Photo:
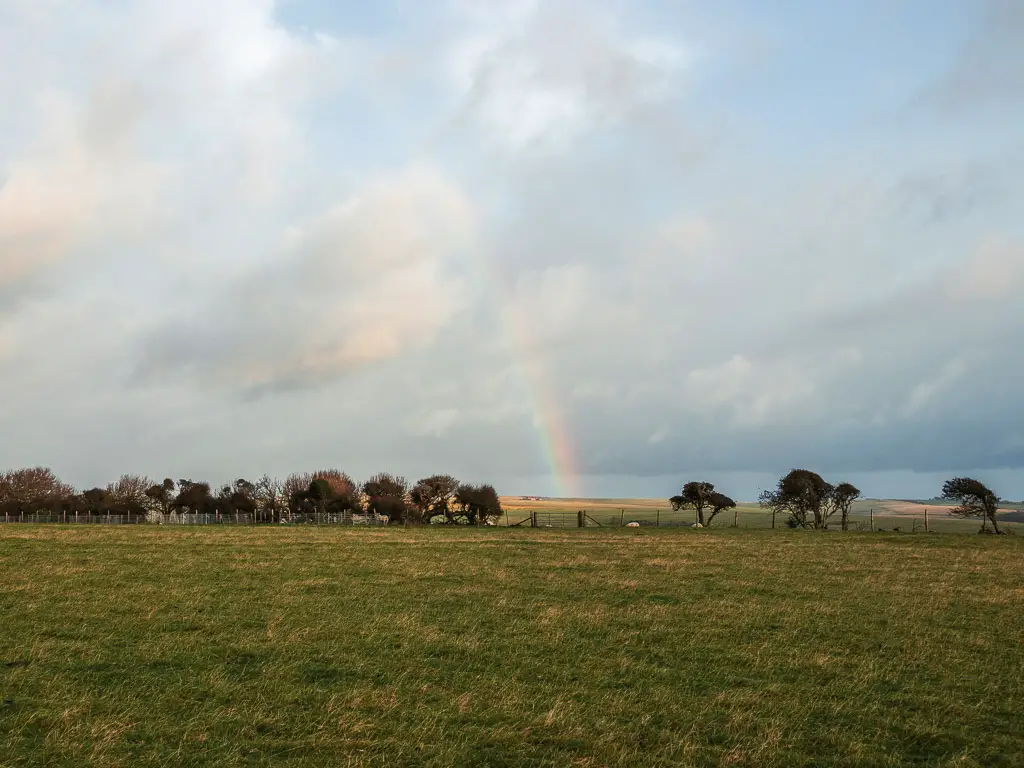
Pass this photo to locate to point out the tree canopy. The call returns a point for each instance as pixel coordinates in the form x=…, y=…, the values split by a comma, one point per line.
x=803, y=495
x=974, y=499
x=703, y=499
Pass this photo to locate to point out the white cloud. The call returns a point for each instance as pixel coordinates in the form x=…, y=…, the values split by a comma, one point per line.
x=134, y=117
x=925, y=392
x=370, y=278
x=434, y=423
x=531, y=84
x=435, y=227
x=993, y=272
x=658, y=436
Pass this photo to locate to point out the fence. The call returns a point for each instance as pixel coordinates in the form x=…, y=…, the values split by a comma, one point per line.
x=184, y=518
x=604, y=518
x=543, y=518
x=72, y=517
x=929, y=521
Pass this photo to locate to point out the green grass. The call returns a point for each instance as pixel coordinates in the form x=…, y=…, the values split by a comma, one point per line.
x=888, y=514
x=137, y=646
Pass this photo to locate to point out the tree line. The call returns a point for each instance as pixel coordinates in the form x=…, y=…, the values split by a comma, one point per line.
x=809, y=501
x=324, y=492
x=804, y=497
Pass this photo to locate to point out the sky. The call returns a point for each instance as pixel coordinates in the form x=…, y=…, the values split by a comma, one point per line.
x=568, y=247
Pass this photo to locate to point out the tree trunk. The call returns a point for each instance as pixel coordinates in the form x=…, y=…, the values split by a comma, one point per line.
x=995, y=526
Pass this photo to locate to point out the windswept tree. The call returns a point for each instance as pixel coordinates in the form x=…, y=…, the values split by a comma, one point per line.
x=719, y=502
x=387, y=496
x=804, y=496
x=477, y=503
x=841, y=499
x=696, y=496
x=974, y=499
x=433, y=497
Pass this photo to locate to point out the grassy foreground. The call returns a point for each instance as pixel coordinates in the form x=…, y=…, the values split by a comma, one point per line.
x=218, y=647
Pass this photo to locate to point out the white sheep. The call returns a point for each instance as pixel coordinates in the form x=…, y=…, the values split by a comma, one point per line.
x=632, y=524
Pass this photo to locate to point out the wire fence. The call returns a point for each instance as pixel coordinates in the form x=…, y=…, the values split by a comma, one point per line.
x=928, y=521
x=935, y=522
x=185, y=518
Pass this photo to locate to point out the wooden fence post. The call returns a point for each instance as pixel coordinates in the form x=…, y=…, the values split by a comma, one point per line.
x=657, y=519
x=871, y=517
x=926, y=519
x=735, y=518
x=533, y=518
x=622, y=514
x=580, y=522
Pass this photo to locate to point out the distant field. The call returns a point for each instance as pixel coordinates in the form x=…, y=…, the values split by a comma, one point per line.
x=888, y=514
x=147, y=646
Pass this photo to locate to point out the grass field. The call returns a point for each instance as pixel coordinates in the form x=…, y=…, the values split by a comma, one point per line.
x=135, y=646
x=886, y=514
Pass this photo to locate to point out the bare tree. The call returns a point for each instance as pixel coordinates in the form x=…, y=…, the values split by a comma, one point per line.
x=128, y=493
x=268, y=494
x=974, y=499
x=295, y=485
x=33, y=489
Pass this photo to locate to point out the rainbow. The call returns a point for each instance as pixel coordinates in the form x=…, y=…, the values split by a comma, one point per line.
x=556, y=439
x=548, y=417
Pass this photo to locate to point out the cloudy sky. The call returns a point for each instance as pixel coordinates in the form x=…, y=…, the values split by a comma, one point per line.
x=567, y=246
